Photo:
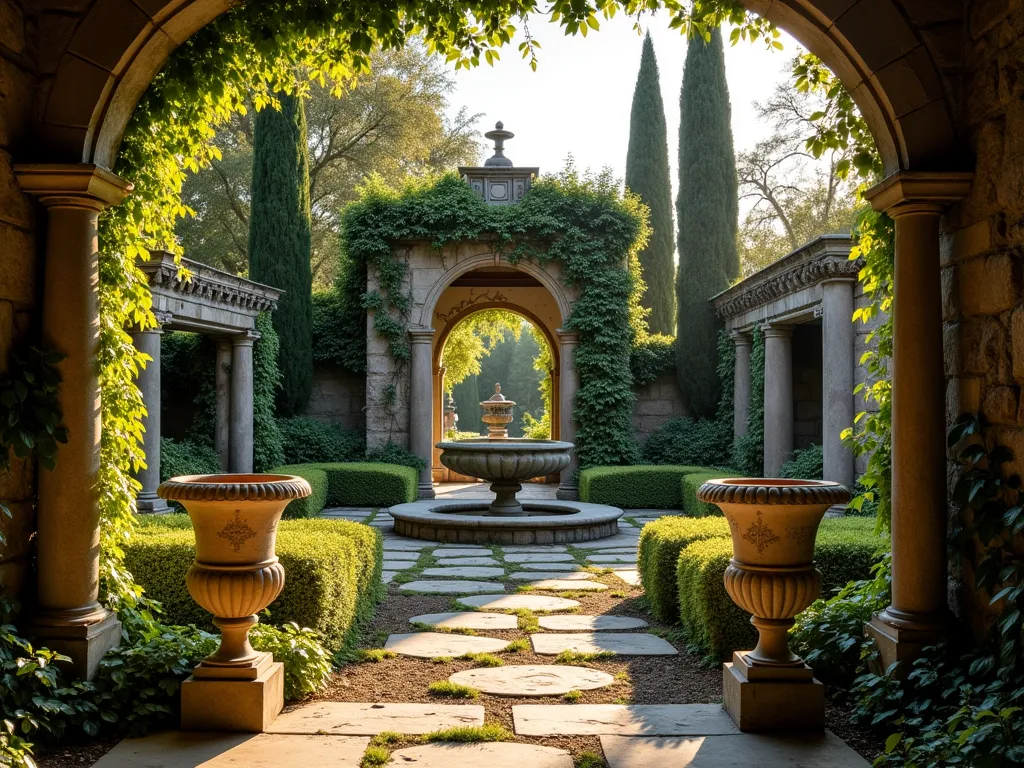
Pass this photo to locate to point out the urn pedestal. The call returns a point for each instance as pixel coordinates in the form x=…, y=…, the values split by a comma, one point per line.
x=236, y=574
x=773, y=524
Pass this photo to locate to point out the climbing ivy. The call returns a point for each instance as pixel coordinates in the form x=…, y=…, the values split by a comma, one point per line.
x=582, y=220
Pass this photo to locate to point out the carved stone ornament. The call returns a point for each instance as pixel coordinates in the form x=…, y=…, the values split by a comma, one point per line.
x=210, y=285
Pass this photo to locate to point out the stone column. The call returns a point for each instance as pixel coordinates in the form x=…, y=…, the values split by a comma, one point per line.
x=241, y=403
x=778, y=397
x=918, y=614
x=837, y=334
x=222, y=425
x=569, y=382
x=148, y=342
x=421, y=401
x=741, y=383
x=69, y=618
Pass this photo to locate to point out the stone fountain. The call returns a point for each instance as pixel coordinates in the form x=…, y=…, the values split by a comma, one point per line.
x=505, y=462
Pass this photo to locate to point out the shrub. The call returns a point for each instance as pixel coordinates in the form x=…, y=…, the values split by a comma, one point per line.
x=332, y=574
x=354, y=485
x=688, y=487
x=652, y=357
x=186, y=458
x=716, y=626
x=660, y=545
x=395, y=454
x=306, y=440
x=312, y=505
x=639, y=487
x=704, y=443
x=806, y=464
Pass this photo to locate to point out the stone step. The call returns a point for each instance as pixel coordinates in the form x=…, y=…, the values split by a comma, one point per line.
x=388, y=576
x=515, y=602
x=630, y=577
x=349, y=719
x=426, y=587
x=538, y=557
x=536, y=548
x=823, y=750
x=430, y=645
x=467, y=572
x=466, y=561
x=493, y=755
x=568, y=567
x=532, y=680
x=602, y=559
x=624, y=720
x=461, y=551
x=571, y=575
x=582, y=623
x=561, y=585
x=622, y=644
x=468, y=620
x=398, y=565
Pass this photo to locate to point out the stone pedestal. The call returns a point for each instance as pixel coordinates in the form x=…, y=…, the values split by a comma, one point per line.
x=837, y=339
x=741, y=383
x=148, y=342
x=789, y=699
x=778, y=397
x=226, y=704
x=69, y=618
x=241, y=403
x=421, y=404
x=569, y=383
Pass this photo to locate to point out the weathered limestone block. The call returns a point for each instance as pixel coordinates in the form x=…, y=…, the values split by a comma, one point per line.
x=984, y=348
x=1017, y=342
x=18, y=267
x=17, y=88
x=989, y=285
x=1000, y=405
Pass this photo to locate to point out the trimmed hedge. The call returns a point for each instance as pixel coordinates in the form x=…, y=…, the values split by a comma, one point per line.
x=660, y=545
x=716, y=626
x=307, y=440
x=691, y=505
x=636, y=487
x=351, y=485
x=332, y=574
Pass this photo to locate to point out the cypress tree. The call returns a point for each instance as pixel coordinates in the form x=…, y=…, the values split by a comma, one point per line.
x=647, y=174
x=706, y=212
x=279, y=241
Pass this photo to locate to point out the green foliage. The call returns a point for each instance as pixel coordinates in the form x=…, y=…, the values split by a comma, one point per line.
x=481, y=659
x=703, y=443
x=357, y=484
x=577, y=657
x=186, y=458
x=589, y=760
x=332, y=574
x=806, y=464
x=474, y=338
x=715, y=626
x=650, y=357
x=573, y=697
x=280, y=241
x=267, y=451
x=660, y=544
x=376, y=655
x=30, y=413
x=636, y=487
x=706, y=214
x=469, y=734
x=307, y=663
x=451, y=690
x=688, y=487
x=329, y=333
x=748, y=450
x=305, y=440
x=580, y=220
x=647, y=176
x=392, y=453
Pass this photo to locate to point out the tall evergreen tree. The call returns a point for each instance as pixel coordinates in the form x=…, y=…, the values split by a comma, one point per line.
x=706, y=211
x=279, y=241
x=647, y=174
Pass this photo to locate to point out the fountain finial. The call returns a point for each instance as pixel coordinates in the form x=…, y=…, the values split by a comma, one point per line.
x=499, y=135
x=497, y=414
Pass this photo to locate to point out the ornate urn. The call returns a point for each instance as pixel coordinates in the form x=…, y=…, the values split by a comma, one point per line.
x=236, y=574
x=497, y=414
x=774, y=524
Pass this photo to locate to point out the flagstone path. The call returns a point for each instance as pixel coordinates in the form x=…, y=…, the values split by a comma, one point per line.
x=562, y=654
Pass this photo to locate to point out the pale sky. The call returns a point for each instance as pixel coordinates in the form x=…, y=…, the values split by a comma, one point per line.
x=578, y=100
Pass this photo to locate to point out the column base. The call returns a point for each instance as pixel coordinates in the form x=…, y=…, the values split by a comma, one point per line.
x=233, y=704
x=568, y=492
x=901, y=637
x=85, y=638
x=151, y=504
x=426, y=491
x=767, y=699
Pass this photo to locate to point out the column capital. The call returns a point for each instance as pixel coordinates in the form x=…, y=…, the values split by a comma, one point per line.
x=72, y=185
x=850, y=280
x=245, y=339
x=741, y=338
x=909, y=192
x=567, y=337
x=421, y=334
x=776, y=330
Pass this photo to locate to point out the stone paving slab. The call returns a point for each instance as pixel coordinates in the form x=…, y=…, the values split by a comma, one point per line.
x=560, y=585
x=468, y=620
x=514, y=602
x=581, y=623
x=345, y=718
x=538, y=557
x=397, y=565
x=598, y=559
x=426, y=586
x=466, y=572
x=571, y=575
x=624, y=720
x=644, y=512
x=531, y=680
x=462, y=551
x=630, y=577
x=401, y=546
x=535, y=548
x=388, y=576
x=568, y=567
x=429, y=645
x=492, y=755
x=191, y=749
x=466, y=560
x=623, y=644
x=619, y=541
x=798, y=751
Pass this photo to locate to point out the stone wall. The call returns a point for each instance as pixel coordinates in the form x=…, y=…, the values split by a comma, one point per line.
x=807, y=386
x=656, y=403
x=983, y=252
x=19, y=274
x=339, y=397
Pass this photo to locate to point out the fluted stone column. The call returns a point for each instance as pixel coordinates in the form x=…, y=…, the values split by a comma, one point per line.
x=778, y=397
x=917, y=616
x=241, y=402
x=421, y=400
x=569, y=383
x=148, y=342
x=741, y=383
x=69, y=618
x=837, y=337
x=222, y=419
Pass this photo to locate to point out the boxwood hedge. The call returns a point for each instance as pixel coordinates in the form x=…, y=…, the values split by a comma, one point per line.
x=691, y=505
x=332, y=574
x=637, y=487
x=361, y=484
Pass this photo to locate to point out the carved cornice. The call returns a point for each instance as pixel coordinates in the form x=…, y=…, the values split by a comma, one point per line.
x=208, y=285
x=825, y=258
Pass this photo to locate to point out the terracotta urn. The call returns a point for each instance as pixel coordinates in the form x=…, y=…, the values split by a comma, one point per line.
x=236, y=573
x=773, y=523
